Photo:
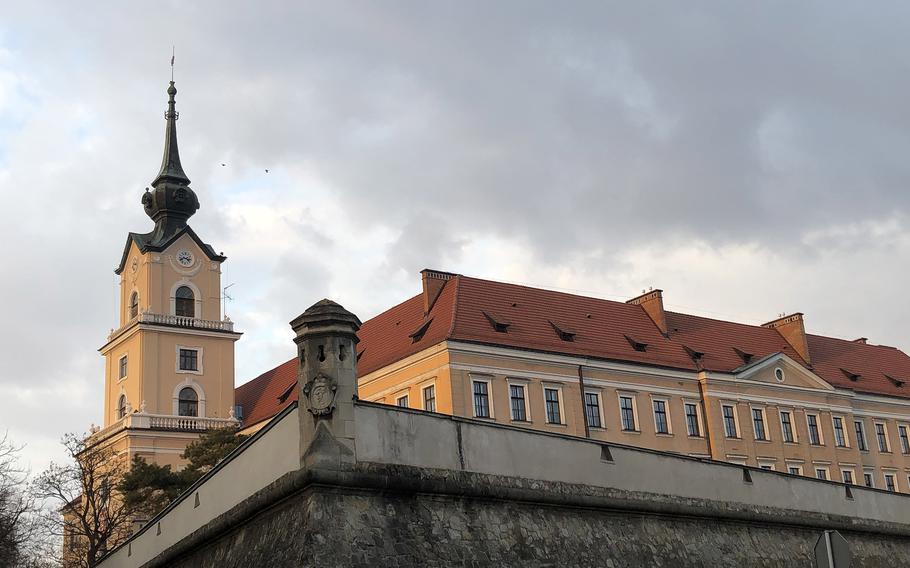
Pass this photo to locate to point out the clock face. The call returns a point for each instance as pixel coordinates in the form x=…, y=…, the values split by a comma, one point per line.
x=185, y=258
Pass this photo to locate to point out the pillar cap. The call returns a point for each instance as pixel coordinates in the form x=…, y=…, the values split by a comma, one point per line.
x=325, y=316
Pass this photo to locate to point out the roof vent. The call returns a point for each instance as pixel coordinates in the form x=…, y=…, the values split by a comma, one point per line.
x=851, y=375
x=695, y=355
x=636, y=345
x=746, y=357
x=359, y=355
x=863, y=340
x=563, y=333
x=287, y=393
x=418, y=333
x=896, y=382
x=499, y=324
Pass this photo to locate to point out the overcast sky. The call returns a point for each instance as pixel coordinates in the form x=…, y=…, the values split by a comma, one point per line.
x=747, y=158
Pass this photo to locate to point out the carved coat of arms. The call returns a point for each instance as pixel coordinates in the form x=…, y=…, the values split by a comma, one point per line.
x=320, y=395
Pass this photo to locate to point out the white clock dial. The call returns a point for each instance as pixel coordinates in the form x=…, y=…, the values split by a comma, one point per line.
x=185, y=258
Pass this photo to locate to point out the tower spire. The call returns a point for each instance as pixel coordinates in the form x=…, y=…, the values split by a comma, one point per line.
x=171, y=201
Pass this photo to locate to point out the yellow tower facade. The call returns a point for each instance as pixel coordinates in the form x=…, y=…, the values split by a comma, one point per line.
x=169, y=366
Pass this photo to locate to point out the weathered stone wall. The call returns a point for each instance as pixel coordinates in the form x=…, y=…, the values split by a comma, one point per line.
x=324, y=524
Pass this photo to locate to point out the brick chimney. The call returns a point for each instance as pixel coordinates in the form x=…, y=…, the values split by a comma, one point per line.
x=653, y=304
x=433, y=282
x=793, y=330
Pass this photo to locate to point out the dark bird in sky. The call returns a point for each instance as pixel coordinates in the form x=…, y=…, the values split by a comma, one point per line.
x=222, y=165
x=266, y=171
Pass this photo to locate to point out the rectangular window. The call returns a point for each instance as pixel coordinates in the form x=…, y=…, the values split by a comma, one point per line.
x=821, y=473
x=840, y=437
x=729, y=421
x=889, y=482
x=402, y=401
x=692, y=419
x=814, y=436
x=481, y=399
x=794, y=470
x=867, y=479
x=627, y=414
x=518, y=403
x=767, y=467
x=860, y=435
x=661, y=424
x=551, y=399
x=848, y=476
x=123, y=364
x=429, y=398
x=786, y=426
x=758, y=423
x=905, y=443
x=189, y=360
x=882, y=435
x=592, y=409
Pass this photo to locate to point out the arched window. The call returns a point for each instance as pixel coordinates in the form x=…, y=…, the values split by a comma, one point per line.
x=187, y=402
x=134, y=304
x=185, y=302
x=121, y=406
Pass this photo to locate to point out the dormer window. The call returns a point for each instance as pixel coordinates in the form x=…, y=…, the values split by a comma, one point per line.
x=188, y=402
x=185, y=302
x=134, y=305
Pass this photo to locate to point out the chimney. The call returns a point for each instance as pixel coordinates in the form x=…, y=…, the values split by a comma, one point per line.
x=433, y=282
x=793, y=330
x=326, y=338
x=863, y=340
x=653, y=304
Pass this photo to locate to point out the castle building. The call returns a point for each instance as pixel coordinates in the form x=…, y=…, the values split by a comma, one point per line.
x=770, y=396
x=169, y=366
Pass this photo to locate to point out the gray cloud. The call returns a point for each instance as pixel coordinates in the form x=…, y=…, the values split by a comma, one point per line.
x=604, y=146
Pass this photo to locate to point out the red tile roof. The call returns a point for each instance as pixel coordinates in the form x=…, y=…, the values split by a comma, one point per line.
x=465, y=306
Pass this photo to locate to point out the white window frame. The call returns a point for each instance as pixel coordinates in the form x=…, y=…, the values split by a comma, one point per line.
x=489, y=382
x=884, y=424
x=852, y=475
x=199, y=367
x=827, y=471
x=561, y=403
x=423, y=396
x=666, y=402
x=764, y=420
x=797, y=467
x=197, y=298
x=723, y=420
x=766, y=464
x=631, y=395
x=793, y=429
x=200, y=396
x=818, y=426
x=906, y=428
x=871, y=473
x=865, y=436
x=523, y=385
x=120, y=366
x=893, y=476
x=843, y=427
x=600, y=409
x=402, y=395
x=698, y=418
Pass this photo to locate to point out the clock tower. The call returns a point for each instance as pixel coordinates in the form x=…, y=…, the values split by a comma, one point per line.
x=169, y=366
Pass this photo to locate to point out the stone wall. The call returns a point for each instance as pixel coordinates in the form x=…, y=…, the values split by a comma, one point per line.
x=444, y=520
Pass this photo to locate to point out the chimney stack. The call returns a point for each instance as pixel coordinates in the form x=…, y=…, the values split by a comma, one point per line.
x=433, y=282
x=793, y=329
x=653, y=304
x=326, y=338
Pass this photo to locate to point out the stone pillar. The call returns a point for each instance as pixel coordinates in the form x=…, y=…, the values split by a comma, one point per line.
x=326, y=338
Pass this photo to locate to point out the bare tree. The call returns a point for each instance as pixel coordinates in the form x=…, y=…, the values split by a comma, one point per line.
x=83, y=503
x=16, y=506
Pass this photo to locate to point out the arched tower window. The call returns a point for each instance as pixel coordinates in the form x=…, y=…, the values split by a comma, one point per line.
x=188, y=402
x=121, y=406
x=134, y=304
x=185, y=302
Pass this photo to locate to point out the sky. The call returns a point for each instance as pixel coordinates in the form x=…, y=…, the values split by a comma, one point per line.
x=750, y=159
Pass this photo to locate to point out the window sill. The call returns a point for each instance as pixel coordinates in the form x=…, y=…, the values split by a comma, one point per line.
x=557, y=424
x=516, y=421
x=885, y=452
x=631, y=431
x=691, y=437
x=597, y=428
x=490, y=418
x=817, y=445
x=663, y=434
x=732, y=437
x=791, y=443
x=763, y=440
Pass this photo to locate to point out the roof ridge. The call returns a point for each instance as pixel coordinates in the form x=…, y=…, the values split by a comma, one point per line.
x=539, y=289
x=457, y=280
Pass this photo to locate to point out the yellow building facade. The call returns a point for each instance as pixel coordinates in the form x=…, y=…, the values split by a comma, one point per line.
x=169, y=366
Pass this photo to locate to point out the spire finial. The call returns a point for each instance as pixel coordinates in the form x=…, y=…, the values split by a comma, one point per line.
x=173, y=53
